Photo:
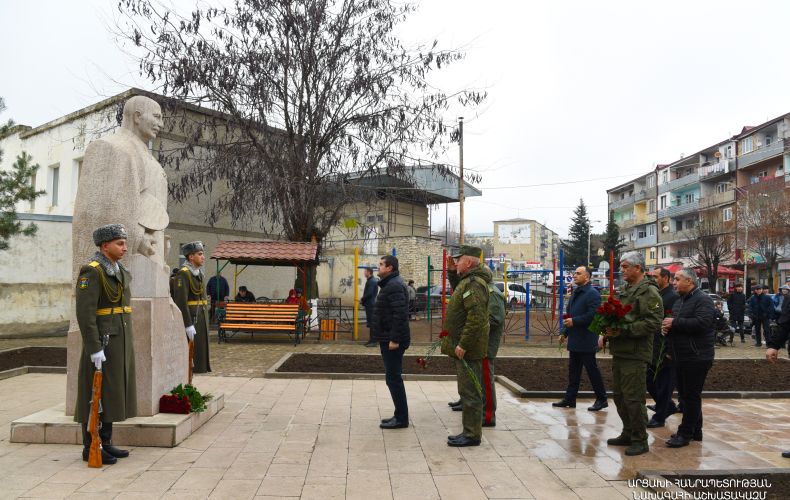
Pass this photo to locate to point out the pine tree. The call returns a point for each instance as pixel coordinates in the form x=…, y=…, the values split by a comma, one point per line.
x=611, y=241
x=15, y=187
x=576, y=245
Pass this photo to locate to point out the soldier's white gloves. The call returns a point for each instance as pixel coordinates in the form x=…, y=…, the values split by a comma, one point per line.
x=191, y=333
x=97, y=358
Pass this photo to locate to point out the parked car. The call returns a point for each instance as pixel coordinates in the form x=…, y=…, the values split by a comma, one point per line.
x=516, y=293
x=421, y=302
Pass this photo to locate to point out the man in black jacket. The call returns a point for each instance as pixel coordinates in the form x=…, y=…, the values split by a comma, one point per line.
x=778, y=340
x=391, y=329
x=691, y=338
x=760, y=310
x=661, y=372
x=368, y=301
x=736, y=304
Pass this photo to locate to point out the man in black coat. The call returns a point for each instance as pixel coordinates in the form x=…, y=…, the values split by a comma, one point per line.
x=691, y=339
x=582, y=343
x=391, y=330
x=661, y=375
x=368, y=301
x=780, y=338
x=761, y=310
x=736, y=304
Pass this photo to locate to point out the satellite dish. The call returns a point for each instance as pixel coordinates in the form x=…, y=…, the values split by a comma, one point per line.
x=665, y=228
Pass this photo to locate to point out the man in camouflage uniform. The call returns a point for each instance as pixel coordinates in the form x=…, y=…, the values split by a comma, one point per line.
x=189, y=294
x=632, y=349
x=104, y=315
x=496, y=321
x=467, y=325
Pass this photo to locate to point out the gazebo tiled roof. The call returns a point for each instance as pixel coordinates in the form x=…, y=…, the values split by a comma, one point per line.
x=266, y=253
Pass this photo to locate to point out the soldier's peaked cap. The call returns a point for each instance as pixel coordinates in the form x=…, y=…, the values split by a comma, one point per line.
x=468, y=250
x=190, y=248
x=109, y=232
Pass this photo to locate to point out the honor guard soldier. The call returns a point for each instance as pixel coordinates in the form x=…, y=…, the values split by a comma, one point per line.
x=467, y=326
x=104, y=315
x=189, y=294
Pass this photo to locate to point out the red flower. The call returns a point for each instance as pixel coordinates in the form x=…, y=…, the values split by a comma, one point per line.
x=443, y=334
x=566, y=316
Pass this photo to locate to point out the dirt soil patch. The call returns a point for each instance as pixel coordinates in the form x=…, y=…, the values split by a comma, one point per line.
x=32, y=356
x=549, y=374
x=773, y=486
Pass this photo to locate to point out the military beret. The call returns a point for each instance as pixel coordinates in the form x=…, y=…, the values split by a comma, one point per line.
x=109, y=232
x=190, y=248
x=469, y=250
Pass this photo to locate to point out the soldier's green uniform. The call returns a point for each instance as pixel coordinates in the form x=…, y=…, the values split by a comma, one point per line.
x=496, y=321
x=189, y=294
x=104, y=315
x=631, y=352
x=466, y=321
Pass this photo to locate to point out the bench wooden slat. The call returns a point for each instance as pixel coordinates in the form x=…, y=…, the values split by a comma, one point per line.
x=253, y=326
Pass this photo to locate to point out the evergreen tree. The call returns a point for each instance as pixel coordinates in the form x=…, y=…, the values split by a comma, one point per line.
x=611, y=241
x=576, y=245
x=15, y=187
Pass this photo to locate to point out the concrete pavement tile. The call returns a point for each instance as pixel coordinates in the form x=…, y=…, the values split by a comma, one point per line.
x=329, y=462
x=10, y=494
x=217, y=458
x=411, y=486
x=367, y=460
x=287, y=470
x=77, y=476
x=51, y=490
x=607, y=493
x=538, y=479
x=198, y=479
x=406, y=462
x=323, y=492
x=498, y=481
x=105, y=484
x=133, y=495
x=459, y=486
x=172, y=460
x=154, y=482
x=317, y=479
x=362, y=484
x=281, y=486
x=187, y=494
x=21, y=482
x=236, y=489
x=249, y=466
x=580, y=478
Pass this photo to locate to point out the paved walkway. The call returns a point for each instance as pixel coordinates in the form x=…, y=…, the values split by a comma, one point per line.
x=320, y=439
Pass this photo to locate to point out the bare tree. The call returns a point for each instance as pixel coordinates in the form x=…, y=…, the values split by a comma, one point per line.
x=314, y=100
x=765, y=216
x=711, y=242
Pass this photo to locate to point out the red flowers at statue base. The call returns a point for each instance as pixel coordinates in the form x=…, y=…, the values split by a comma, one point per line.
x=610, y=317
x=170, y=403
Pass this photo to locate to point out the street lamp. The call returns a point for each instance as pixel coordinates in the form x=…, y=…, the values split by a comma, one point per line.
x=589, y=239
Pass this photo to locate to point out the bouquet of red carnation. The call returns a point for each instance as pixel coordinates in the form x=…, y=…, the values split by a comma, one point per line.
x=171, y=403
x=610, y=314
x=662, y=348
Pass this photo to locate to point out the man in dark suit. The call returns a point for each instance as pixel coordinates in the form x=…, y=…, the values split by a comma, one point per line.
x=368, y=301
x=660, y=372
x=582, y=343
x=736, y=303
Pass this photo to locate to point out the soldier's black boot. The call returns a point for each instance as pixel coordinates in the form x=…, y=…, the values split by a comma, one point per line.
x=106, y=458
x=105, y=433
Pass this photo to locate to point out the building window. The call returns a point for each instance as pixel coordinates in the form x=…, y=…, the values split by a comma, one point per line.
x=662, y=202
x=663, y=252
x=728, y=154
x=747, y=145
x=722, y=187
x=53, y=183
x=641, y=234
x=767, y=140
x=651, y=182
x=652, y=254
x=651, y=230
x=664, y=176
x=678, y=225
x=727, y=214
x=688, y=198
x=651, y=206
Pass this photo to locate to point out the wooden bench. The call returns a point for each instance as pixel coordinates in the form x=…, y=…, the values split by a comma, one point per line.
x=260, y=318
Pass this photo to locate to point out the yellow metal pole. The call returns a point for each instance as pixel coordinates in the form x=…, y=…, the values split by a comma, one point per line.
x=504, y=275
x=356, y=293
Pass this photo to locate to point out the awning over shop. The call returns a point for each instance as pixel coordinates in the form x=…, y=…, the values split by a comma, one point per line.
x=722, y=271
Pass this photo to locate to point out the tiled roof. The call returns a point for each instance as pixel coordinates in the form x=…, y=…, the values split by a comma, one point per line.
x=262, y=252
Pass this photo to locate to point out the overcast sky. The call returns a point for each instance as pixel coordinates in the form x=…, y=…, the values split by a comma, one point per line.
x=578, y=91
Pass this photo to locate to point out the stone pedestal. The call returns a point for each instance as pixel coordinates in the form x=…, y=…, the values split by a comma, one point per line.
x=160, y=348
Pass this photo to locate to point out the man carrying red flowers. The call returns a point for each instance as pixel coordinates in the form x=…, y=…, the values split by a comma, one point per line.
x=631, y=346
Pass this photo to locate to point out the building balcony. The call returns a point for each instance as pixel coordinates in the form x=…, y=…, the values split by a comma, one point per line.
x=716, y=170
x=678, y=210
x=764, y=153
x=767, y=184
x=626, y=224
x=717, y=199
x=614, y=205
x=647, y=194
x=679, y=183
x=674, y=236
x=647, y=241
x=645, y=218
x=627, y=245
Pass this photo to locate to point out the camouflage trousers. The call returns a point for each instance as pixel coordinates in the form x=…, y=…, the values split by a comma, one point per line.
x=628, y=388
x=471, y=398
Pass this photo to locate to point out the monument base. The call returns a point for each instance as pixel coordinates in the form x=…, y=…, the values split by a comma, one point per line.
x=165, y=430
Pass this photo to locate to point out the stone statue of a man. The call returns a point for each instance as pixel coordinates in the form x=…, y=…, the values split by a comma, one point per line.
x=122, y=182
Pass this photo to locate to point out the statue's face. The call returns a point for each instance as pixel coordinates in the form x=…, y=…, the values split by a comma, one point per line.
x=148, y=122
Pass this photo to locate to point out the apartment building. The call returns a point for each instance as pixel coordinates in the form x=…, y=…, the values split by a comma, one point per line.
x=524, y=242
x=657, y=213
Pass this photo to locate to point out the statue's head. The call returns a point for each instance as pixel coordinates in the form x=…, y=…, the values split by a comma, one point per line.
x=142, y=116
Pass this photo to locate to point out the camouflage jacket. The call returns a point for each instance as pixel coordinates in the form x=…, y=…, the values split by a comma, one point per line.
x=635, y=340
x=466, y=319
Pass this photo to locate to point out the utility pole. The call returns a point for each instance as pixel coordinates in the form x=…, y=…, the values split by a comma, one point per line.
x=461, y=178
